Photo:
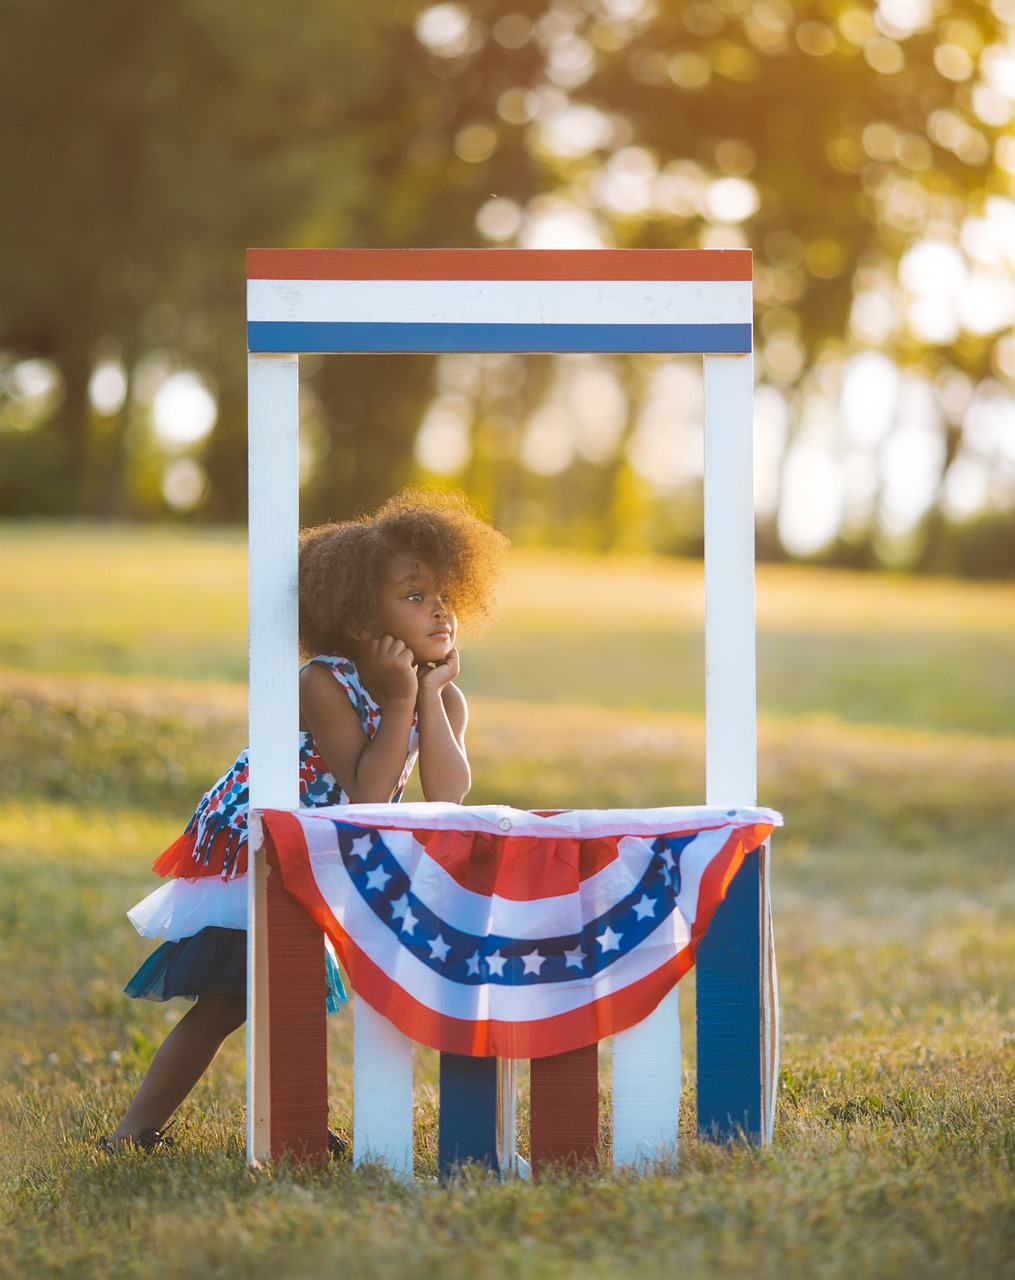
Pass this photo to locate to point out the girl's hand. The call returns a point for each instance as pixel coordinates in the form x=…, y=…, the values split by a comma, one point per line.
x=391, y=668
x=434, y=679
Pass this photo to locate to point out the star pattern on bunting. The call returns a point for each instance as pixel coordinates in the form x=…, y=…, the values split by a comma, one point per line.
x=439, y=949
x=377, y=878
x=609, y=941
x=475, y=959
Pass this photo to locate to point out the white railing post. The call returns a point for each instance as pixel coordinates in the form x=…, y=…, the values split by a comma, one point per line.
x=731, y=776
x=737, y=1010
x=273, y=442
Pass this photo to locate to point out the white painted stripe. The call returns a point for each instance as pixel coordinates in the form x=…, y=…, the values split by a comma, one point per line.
x=545, y=918
x=504, y=1003
x=612, y=302
x=441, y=816
x=646, y=1087
x=381, y=1092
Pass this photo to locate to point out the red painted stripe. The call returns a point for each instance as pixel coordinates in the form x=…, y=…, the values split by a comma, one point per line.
x=499, y=264
x=564, y=1111
x=533, y=1039
x=517, y=867
x=298, y=1044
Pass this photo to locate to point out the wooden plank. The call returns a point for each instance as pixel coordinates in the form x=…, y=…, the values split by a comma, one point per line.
x=382, y=1091
x=507, y=1115
x=273, y=415
x=770, y=1000
x=467, y=1128
x=564, y=1104
x=646, y=1087
x=730, y=686
x=298, y=1036
x=499, y=264
x=731, y=958
x=731, y=1093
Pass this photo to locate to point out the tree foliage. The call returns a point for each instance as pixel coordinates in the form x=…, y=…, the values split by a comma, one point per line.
x=144, y=149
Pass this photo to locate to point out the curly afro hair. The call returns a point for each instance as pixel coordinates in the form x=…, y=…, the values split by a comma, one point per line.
x=343, y=565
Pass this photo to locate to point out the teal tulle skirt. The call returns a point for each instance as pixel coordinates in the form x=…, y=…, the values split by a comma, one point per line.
x=213, y=961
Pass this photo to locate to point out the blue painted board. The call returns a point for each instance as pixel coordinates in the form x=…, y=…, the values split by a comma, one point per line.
x=729, y=1012
x=467, y=1126
x=331, y=336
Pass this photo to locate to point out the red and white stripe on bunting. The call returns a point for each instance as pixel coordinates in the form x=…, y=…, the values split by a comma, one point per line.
x=491, y=931
x=669, y=300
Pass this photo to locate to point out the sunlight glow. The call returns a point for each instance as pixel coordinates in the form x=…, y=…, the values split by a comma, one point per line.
x=966, y=488
x=811, y=509
x=107, y=388
x=911, y=460
x=771, y=427
x=184, y=411
x=32, y=379
x=442, y=443
x=548, y=442
x=499, y=219
x=184, y=484
x=446, y=30
x=574, y=132
x=870, y=389
x=732, y=200
x=666, y=447
x=555, y=223
x=599, y=407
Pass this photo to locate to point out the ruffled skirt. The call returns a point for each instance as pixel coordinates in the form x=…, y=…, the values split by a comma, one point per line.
x=204, y=923
x=213, y=962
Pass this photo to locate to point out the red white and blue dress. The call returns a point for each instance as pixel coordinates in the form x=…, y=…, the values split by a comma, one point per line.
x=202, y=911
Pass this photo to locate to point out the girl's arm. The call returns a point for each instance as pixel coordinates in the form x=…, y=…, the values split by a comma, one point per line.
x=444, y=772
x=367, y=769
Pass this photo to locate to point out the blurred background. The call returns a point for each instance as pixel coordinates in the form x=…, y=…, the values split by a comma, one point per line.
x=864, y=151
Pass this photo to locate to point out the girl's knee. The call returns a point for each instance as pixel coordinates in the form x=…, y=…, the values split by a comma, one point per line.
x=225, y=1010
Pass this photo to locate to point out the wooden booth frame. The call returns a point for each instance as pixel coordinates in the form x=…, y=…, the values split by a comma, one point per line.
x=474, y=300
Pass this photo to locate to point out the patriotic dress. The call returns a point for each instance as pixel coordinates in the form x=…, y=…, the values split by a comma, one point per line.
x=202, y=911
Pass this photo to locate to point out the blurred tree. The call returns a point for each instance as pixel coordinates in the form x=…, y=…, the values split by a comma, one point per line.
x=144, y=150
x=865, y=152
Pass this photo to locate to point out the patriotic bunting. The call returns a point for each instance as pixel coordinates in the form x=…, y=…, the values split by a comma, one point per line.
x=491, y=931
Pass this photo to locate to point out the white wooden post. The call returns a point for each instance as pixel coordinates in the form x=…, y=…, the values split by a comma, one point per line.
x=737, y=1005
x=646, y=1087
x=381, y=1091
x=731, y=776
x=273, y=443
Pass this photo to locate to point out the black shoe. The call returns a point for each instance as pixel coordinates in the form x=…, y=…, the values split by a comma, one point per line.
x=339, y=1146
x=148, y=1141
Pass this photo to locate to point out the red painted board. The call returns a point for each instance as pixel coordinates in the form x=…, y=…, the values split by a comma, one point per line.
x=499, y=264
x=564, y=1104
x=297, y=1035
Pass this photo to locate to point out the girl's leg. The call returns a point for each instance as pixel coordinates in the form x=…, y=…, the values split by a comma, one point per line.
x=184, y=1057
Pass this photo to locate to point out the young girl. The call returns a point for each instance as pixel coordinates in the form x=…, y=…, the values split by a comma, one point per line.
x=379, y=604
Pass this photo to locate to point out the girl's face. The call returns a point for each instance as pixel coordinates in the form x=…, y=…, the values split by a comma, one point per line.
x=410, y=608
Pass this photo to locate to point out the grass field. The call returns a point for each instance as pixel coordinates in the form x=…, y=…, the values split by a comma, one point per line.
x=887, y=739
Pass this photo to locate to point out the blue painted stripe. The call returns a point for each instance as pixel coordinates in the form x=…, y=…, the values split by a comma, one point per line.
x=298, y=335
x=496, y=959
x=730, y=1030
x=467, y=1120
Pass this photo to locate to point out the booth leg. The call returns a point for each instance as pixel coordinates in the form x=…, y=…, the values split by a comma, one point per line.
x=564, y=1098
x=469, y=1103
x=297, y=1037
x=646, y=1087
x=733, y=1066
x=382, y=1091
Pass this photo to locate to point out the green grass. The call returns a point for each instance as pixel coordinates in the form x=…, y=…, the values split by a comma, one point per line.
x=887, y=740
